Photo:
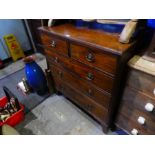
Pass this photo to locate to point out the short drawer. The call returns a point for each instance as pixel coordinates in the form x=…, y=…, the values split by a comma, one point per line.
x=138, y=100
x=86, y=103
x=91, y=75
x=101, y=98
x=142, y=81
x=97, y=59
x=129, y=126
x=54, y=43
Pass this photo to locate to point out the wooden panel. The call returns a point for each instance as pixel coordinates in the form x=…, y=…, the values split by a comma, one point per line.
x=126, y=124
x=93, y=76
x=96, y=59
x=142, y=81
x=68, y=77
x=97, y=111
x=54, y=43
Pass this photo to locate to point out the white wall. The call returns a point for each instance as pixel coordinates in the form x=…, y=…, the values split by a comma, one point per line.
x=13, y=26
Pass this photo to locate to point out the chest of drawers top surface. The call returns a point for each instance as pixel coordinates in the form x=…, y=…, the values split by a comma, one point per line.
x=95, y=38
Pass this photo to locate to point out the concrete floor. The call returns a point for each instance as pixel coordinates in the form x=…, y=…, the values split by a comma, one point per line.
x=56, y=115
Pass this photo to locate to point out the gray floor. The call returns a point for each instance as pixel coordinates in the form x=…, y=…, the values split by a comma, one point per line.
x=56, y=115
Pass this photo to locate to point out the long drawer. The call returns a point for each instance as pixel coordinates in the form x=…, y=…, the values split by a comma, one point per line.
x=86, y=103
x=128, y=125
x=94, y=58
x=137, y=100
x=54, y=43
x=93, y=76
x=133, y=115
x=142, y=81
x=71, y=79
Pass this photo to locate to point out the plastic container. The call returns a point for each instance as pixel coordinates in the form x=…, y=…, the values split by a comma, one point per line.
x=151, y=23
x=16, y=117
x=81, y=23
x=112, y=28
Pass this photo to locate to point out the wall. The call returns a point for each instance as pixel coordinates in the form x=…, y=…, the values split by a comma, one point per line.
x=16, y=27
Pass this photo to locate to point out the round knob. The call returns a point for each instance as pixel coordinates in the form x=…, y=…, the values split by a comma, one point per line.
x=141, y=120
x=90, y=57
x=90, y=76
x=56, y=59
x=134, y=132
x=53, y=43
x=90, y=92
x=149, y=107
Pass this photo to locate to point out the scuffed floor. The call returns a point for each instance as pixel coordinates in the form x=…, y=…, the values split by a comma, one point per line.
x=56, y=115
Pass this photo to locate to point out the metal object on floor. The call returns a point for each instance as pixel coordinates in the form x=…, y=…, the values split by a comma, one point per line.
x=24, y=87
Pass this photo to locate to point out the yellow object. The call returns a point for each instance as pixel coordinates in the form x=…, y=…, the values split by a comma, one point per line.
x=9, y=130
x=14, y=47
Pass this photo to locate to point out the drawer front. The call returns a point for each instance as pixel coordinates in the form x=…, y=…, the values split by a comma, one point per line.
x=138, y=100
x=54, y=43
x=128, y=125
x=97, y=111
x=68, y=77
x=136, y=116
x=142, y=81
x=97, y=59
x=97, y=78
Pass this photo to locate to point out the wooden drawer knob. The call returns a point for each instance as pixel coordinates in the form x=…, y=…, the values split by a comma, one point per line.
x=56, y=60
x=90, y=57
x=149, y=107
x=53, y=43
x=134, y=132
x=141, y=120
x=90, y=92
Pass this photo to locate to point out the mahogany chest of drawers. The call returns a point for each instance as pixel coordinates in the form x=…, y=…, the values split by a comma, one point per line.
x=136, y=112
x=87, y=67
